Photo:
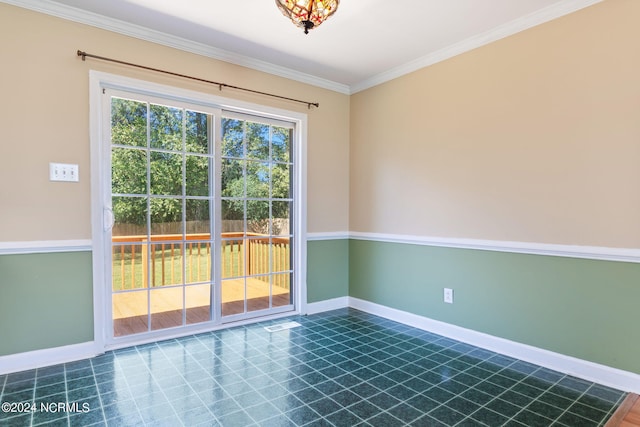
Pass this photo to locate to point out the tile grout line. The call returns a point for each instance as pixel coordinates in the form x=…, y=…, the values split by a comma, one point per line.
x=231, y=396
x=146, y=365
x=66, y=390
x=33, y=398
x=118, y=362
x=204, y=369
x=104, y=417
x=567, y=410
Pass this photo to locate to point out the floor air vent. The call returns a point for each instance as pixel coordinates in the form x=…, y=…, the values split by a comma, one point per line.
x=282, y=326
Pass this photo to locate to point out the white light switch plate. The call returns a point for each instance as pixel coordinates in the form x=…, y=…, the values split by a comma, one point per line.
x=63, y=172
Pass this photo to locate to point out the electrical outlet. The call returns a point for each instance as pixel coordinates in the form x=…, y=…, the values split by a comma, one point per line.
x=448, y=295
x=63, y=172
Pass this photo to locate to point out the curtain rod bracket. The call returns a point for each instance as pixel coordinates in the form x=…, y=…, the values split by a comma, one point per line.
x=84, y=56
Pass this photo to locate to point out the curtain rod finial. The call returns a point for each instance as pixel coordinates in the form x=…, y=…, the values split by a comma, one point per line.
x=83, y=54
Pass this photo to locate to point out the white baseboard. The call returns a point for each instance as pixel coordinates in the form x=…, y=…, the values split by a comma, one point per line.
x=601, y=374
x=47, y=357
x=327, y=305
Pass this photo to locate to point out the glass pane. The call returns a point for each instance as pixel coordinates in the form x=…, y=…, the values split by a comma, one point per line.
x=258, y=219
x=128, y=267
x=281, y=224
x=258, y=176
x=280, y=255
x=232, y=138
x=281, y=177
x=233, y=258
x=198, y=259
x=128, y=122
x=257, y=140
x=233, y=293
x=166, y=307
x=232, y=216
x=257, y=293
x=166, y=127
x=232, y=178
x=198, y=303
x=197, y=138
x=198, y=219
x=257, y=256
x=281, y=290
x=128, y=171
x=166, y=218
x=129, y=216
x=166, y=264
x=197, y=177
x=130, y=311
x=280, y=144
x=166, y=174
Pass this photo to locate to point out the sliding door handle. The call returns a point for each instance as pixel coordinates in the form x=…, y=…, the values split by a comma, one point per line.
x=108, y=219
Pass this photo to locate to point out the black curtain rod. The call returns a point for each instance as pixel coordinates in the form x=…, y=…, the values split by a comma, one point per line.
x=86, y=55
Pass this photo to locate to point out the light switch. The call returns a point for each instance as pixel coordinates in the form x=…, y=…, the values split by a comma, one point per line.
x=63, y=172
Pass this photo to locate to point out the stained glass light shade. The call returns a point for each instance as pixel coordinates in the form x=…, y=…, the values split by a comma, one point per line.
x=307, y=14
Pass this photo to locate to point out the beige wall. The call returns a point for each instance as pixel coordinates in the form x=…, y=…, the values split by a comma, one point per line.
x=533, y=138
x=44, y=117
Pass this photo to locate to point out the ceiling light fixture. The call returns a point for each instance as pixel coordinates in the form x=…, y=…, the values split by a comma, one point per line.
x=307, y=14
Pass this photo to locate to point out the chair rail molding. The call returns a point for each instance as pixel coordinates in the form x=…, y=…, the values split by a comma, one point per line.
x=44, y=246
x=531, y=248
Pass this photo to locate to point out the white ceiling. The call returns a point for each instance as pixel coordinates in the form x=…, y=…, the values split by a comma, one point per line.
x=364, y=43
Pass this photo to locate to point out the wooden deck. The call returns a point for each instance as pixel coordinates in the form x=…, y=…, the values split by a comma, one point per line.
x=130, y=308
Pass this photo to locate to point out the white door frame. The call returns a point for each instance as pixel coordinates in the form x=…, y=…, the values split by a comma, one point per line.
x=100, y=81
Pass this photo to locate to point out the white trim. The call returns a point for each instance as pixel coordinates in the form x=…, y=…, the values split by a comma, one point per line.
x=154, y=36
x=44, y=246
x=115, y=25
x=96, y=130
x=300, y=216
x=47, y=357
x=330, y=235
x=327, y=305
x=101, y=188
x=570, y=251
x=502, y=31
x=601, y=374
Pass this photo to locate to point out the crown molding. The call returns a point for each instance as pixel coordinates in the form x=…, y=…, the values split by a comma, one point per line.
x=117, y=26
x=540, y=17
x=77, y=15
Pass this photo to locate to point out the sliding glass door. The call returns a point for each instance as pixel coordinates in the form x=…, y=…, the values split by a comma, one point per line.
x=256, y=202
x=200, y=204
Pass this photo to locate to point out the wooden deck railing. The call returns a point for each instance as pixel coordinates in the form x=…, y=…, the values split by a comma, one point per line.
x=162, y=256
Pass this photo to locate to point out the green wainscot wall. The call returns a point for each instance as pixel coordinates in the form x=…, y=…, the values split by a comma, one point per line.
x=46, y=301
x=327, y=269
x=582, y=308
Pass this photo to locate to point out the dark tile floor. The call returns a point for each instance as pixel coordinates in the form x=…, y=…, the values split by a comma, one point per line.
x=340, y=368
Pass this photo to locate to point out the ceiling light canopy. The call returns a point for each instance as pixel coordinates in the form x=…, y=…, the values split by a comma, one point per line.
x=307, y=14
